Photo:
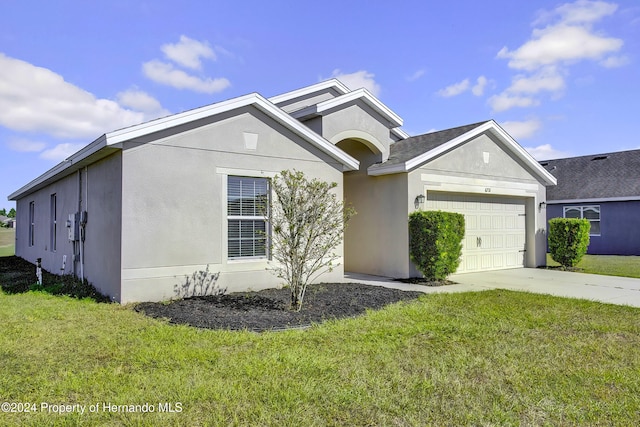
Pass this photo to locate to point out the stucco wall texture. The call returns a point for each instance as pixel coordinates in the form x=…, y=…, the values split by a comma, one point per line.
x=619, y=227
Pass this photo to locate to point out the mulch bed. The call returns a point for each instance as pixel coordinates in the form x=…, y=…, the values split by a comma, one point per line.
x=268, y=309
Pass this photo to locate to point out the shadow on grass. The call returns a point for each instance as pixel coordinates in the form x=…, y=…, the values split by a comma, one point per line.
x=19, y=276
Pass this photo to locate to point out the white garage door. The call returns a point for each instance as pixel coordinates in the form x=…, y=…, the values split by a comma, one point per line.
x=494, y=229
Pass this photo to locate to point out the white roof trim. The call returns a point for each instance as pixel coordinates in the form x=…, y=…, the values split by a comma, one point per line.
x=401, y=133
x=68, y=163
x=594, y=200
x=360, y=94
x=115, y=138
x=164, y=123
x=492, y=126
x=327, y=84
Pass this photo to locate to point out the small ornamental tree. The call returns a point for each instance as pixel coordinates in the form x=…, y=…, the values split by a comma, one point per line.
x=435, y=242
x=568, y=240
x=307, y=223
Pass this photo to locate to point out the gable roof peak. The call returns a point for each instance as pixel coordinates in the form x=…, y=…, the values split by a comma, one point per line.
x=410, y=153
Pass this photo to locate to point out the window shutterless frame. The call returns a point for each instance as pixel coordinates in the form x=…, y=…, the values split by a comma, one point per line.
x=54, y=222
x=247, y=228
x=589, y=212
x=32, y=224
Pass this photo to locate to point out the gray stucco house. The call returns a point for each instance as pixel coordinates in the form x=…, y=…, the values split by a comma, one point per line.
x=104, y=209
x=605, y=189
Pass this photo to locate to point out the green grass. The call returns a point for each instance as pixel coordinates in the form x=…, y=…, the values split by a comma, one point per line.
x=486, y=358
x=611, y=265
x=7, y=241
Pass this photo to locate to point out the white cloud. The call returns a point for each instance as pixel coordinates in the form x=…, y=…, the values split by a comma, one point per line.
x=38, y=100
x=546, y=152
x=522, y=129
x=478, y=88
x=357, y=80
x=506, y=101
x=188, y=52
x=579, y=12
x=415, y=76
x=561, y=44
x=454, y=89
x=142, y=101
x=615, y=61
x=546, y=80
x=61, y=151
x=567, y=38
x=25, y=145
x=165, y=73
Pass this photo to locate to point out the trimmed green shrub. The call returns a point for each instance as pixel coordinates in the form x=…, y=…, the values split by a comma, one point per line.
x=568, y=240
x=435, y=242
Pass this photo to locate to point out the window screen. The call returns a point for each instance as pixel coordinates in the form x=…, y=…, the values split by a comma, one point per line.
x=247, y=203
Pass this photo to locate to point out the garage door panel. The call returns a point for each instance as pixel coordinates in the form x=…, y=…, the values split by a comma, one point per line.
x=471, y=222
x=495, y=229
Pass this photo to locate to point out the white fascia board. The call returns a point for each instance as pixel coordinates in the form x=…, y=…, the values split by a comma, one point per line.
x=327, y=84
x=388, y=169
x=114, y=139
x=61, y=167
x=254, y=99
x=594, y=200
x=492, y=126
x=425, y=157
x=368, y=98
x=349, y=162
x=164, y=123
x=401, y=133
x=523, y=154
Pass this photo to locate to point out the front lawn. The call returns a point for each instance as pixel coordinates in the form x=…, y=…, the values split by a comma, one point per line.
x=485, y=358
x=7, y=241
x=611, y=265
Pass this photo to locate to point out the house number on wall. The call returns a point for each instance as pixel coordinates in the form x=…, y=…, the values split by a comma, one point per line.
x=487, y=190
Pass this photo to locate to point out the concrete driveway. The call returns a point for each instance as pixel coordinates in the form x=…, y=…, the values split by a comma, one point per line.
x=608, y=289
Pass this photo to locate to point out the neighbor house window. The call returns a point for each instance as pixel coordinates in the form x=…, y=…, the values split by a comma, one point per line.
x=32, y=224
x=247, y=203
x=54, y=222
x=592, y=213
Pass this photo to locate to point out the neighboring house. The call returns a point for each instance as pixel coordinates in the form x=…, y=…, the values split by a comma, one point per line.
x=104, y=209
x=605, y=189
x=7, y=222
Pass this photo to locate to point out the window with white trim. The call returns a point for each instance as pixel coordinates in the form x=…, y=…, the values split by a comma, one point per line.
x=247, y=203
x=32, y=223
x=54, y=222
x=591, y=212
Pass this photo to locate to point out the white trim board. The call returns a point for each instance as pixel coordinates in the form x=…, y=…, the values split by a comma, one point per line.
x=594, y=200
x=308, y=90
x=360, y=94
x=457, y=184
x=490, y=126
x=114, y=140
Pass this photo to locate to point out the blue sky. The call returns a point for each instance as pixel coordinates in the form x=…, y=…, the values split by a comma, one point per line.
x=563, y=78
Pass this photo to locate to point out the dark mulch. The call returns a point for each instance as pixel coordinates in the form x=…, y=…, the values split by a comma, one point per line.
x=268, y=309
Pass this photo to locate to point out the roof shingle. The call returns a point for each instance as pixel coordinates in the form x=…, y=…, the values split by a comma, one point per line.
x=412, y=147
x=595, y=176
